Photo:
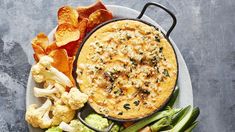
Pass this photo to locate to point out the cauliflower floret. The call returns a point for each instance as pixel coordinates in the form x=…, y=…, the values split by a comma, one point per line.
x=39, y=117
x=43, y=71
x=53, y=91
x=74, y=126
x=75, y=99
x=62, y=113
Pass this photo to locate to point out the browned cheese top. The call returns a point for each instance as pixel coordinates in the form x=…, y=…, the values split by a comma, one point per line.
x=128, y=69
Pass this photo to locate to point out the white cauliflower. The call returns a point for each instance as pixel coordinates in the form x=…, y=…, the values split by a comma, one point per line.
x=75, y=99
x=39, y=117
x=43, y=71
x=74, y=126
x=53, y=91
x=62, y=113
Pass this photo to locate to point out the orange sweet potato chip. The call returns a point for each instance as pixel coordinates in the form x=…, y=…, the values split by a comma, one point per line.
x=72, y=47
x=69, y=73
x=51, y=47
x=82, y=27
x=84, y=12
x=68, y=14
x=41, y=40
x=61, y=60
x=36, y=58
x=39, y=44
x=98, y=17
x=66, y=33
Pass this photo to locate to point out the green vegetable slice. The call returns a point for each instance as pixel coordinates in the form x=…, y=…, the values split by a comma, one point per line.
x=157, y=116
x=179, y=116
x=182, y=120
x=190, y=129
x=174, y=97
x=195, y=114
x=164, y=122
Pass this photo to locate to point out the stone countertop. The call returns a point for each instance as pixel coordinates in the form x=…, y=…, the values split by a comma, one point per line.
x=204, y=34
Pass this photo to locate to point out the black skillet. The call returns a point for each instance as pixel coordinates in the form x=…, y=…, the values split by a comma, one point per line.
x=88, y=109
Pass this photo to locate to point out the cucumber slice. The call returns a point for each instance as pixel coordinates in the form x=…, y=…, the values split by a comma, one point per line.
x=182, y=120
x=193, y=125
x=160, y=124
x=195, y=114
x=173, y=97
x=157, y=116
x=180, y=115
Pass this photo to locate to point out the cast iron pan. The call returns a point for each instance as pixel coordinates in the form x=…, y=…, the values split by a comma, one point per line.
x=87, y=109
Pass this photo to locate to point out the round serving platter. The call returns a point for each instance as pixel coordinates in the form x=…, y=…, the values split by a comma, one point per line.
x=184, y=82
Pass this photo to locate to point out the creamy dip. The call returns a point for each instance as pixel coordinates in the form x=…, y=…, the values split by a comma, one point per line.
x=128, y=69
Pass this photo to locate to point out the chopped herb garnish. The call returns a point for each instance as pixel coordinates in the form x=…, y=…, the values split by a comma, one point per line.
x=137, y=102
x=117, y=91
x=109, y=76
x=160, y=49
x=133, y=62
x=157, y=39
x=165, y=72
x=145, y=91
x=146, y=84
x=120, y=113
x=158, y=80
x=127, y=106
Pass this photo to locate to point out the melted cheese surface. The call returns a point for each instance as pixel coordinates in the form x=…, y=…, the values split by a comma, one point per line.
x=128, y=69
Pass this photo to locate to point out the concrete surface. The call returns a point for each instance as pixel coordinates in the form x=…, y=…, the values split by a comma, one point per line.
x=204, y=35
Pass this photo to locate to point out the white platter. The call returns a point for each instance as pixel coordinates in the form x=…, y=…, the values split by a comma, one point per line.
x=184, y=82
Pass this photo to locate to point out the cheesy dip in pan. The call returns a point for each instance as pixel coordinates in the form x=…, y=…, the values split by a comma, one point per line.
x=128, y=69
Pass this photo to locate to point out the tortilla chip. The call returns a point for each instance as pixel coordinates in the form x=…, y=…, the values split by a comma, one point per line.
x=61, y=60
x=40, y=40
x=68, y=14
x=84, y=12
x=98, y=17
x=72, y=47
x=66, y=33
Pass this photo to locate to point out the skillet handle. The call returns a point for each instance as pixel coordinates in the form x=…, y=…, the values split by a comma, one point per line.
x=165, y=9
x=79, y=115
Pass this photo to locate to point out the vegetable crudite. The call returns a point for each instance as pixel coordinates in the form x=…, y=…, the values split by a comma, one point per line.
x=128, y=68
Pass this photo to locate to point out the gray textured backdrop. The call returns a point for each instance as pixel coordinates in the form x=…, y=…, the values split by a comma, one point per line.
x=204, y=35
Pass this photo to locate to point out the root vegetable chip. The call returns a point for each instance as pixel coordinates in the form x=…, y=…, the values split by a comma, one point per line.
x=36, y=58
x=66, y=33
x=84, y=12
x=69, y=73
x=60, y=60
x=51, y=47
x=38, y=50
x=82, y=27
x=98, y=17
x=40, y=40
x=72, y=47
x=68, y=14
x=39, y=44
